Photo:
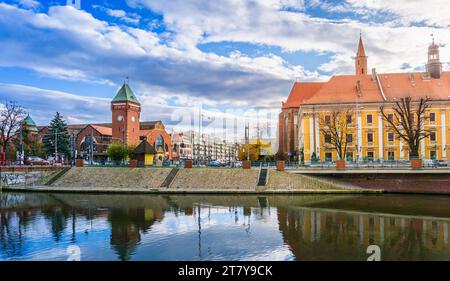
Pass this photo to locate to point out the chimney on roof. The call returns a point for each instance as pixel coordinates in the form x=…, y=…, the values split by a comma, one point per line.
x=374, y=74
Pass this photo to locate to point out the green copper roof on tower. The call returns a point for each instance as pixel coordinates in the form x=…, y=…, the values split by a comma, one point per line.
x=29, y=122
x=125, y=94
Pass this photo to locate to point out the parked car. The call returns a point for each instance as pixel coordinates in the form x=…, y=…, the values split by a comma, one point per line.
x=88, y=162
x=34, y=160
x=214, y=164
x=434, y=163
x=441, y=163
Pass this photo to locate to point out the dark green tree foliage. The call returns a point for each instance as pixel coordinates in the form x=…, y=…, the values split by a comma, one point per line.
x=57, y=130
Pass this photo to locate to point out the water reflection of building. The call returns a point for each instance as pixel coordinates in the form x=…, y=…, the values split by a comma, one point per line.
x=126, y=227
x=314, y=234
x=318, y=233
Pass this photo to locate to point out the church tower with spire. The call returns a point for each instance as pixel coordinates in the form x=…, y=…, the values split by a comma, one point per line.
x=361, y=59
x=434, y=65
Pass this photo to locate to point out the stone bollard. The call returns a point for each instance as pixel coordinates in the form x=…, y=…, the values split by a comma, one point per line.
x=79, y=163
x=416, y=163
x=246, y=164
x=340, y=164
x=133, y=164
x=188, y=164
x=280, y=165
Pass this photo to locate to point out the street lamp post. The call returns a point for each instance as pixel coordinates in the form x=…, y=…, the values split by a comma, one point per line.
x=21, y=152
x=247, y=139
x=56, y=145
x=73, y=142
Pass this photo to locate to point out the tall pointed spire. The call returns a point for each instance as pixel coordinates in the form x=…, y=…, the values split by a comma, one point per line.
x=361, y=52
x=361, y=58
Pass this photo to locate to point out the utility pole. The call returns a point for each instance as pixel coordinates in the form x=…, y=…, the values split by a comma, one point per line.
x=92, y=149
x=193, y=154
x=21, y=158
x=199, y=131
x=92, y=146
x=73, y=149
x=247, y=139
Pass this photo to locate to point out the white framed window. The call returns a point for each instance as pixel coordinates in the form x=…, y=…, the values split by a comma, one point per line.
x=390, y=136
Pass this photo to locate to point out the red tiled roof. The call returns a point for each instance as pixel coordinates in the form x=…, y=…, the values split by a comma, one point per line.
x=300, y=92
x=400, y=85
x=343, y=89
x=106, y=131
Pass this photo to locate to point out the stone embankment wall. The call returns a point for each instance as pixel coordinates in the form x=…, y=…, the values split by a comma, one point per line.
x=112, y=177
x=187, y=180
x=21, y=177
x=209, y=178
x=287, y=181
x=402, y=183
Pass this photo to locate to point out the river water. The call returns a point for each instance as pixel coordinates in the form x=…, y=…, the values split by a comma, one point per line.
x=39, y=226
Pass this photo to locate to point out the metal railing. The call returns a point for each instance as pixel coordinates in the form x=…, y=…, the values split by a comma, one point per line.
x=368, y=164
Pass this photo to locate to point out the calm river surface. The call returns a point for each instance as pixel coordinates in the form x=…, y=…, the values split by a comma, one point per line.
x=202, y=227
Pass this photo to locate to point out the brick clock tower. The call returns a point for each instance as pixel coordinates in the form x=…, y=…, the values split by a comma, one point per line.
x=126, y=111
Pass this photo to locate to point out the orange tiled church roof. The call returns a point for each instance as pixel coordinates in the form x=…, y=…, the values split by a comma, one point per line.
x=301, y=92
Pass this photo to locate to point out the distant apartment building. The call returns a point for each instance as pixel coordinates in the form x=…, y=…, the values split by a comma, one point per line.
x=182, y=146
x=204, y=147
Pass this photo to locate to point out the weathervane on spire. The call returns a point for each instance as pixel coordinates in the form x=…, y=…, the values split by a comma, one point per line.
x=127, y=80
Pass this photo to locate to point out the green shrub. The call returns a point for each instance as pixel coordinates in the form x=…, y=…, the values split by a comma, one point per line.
x=117, y=152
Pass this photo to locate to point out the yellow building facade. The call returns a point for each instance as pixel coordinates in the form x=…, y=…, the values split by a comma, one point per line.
x=372, y=138
x=362, y=95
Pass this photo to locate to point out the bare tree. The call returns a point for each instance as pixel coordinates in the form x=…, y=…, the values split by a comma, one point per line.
x=407, y=121
x=335, y=127
x=11, y=116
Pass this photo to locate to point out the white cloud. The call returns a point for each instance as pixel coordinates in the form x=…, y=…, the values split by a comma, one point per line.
x=435, y=12
x=388, y=45
x=71, y=44
x=120, y=14
x=86, y=48
x=29, y=3
x=43, y=103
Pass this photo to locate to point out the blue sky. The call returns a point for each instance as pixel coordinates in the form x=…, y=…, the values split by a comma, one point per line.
x=233, y=56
